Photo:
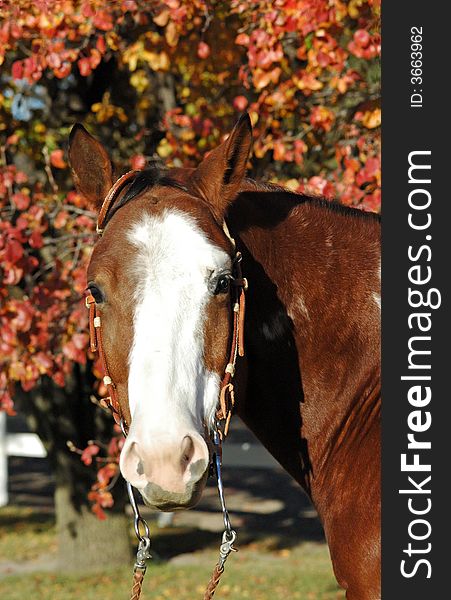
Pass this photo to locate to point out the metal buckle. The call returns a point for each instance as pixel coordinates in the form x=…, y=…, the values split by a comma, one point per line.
x=89, y=300
x=142, y=555
x=226, y=547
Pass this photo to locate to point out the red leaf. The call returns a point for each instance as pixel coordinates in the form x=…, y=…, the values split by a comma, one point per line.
x=84, y=66
x=12, y=276
x=138, y=162
x=61, y=219
x=43, y=362
x=101, y=45
x=240, y=103
x=54, y=60
x=13, y=251
x=63, y=71
x=35, y=240
x=59, y=378
x=80, y=340
x=24, y=316
x=17, y=69
x=88, y=454
x=362, y=38
x=87, y=10
x=6, y=404
x=22, y=201
x=12, y=139
x=203, y=50
x=242, y=39
x=99, y=513
x=103, y=20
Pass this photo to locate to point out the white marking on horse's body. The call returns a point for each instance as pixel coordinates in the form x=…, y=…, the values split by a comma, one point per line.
x=376, y=295
x=301, y=305
x=171, y=393
x=377, y=299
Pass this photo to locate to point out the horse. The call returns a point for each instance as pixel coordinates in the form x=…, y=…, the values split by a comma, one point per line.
x=309, y=384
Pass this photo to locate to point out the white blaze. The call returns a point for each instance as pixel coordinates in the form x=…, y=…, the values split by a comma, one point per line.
x=170, y=390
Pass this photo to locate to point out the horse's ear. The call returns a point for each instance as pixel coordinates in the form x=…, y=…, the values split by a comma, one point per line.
x=219, y=175
x=91, y=166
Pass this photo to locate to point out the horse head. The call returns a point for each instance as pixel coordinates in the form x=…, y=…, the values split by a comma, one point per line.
x=161, y=276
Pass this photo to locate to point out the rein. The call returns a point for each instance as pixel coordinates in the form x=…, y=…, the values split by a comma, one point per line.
x=224, y=410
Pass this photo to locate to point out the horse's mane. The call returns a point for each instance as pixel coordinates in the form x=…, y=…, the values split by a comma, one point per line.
x=250, y=185
x=157, y=174
x=154, y=175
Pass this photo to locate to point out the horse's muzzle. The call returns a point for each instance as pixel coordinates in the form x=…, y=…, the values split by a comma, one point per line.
x=169, y=471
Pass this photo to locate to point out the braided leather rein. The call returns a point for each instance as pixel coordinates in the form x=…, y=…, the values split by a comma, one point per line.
x=223, y=413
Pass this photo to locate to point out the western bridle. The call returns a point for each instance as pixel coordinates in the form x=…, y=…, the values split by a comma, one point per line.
x=224, y=410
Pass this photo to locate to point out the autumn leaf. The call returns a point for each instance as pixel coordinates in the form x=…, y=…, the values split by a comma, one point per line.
x=89, y=453
x=57, y=159
x=171, y=34
x=203, y=50
x=21, y=200
x=138, y=162
x=240, y=103
x=372, y=119
x=162, y=18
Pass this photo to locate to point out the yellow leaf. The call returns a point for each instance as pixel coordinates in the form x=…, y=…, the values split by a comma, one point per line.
x=164, y=148
x=164, y=61
x=254, y=117
x=139, y=80
x=157, y=62
x=144, y=103
x=291, y=184
x=171, y=34
x=372, y=119
x=162, y=19
x=187, y=135
x=353, y=8
x=112, y=39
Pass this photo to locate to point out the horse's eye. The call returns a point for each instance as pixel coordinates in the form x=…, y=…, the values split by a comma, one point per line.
x=222, y=285
x=97, y=293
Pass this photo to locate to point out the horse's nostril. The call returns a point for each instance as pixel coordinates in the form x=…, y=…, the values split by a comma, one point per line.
x=187, y=449
x=140, y=468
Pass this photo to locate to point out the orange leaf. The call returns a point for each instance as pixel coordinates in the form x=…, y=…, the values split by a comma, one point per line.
x=57, y=160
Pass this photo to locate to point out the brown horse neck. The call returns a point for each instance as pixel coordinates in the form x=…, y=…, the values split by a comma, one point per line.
x=312, y=334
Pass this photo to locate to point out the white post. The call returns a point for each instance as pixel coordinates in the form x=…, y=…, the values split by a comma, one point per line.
x=3, y=461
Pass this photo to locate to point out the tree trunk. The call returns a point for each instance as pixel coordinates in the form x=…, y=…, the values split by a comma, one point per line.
x=59, y=415
x=85, y=542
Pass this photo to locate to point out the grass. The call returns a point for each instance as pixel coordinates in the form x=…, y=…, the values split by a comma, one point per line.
x=256, y=572
x=24, y=533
